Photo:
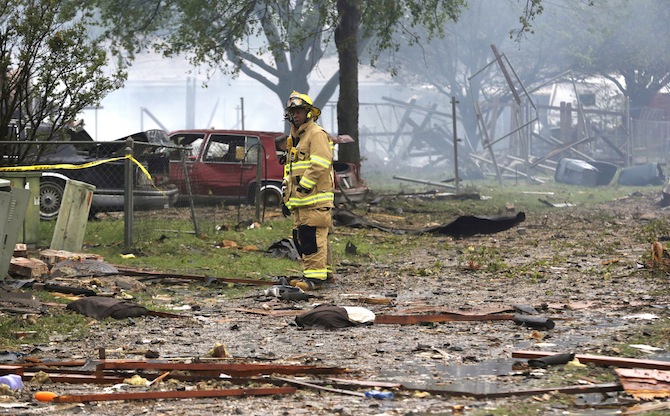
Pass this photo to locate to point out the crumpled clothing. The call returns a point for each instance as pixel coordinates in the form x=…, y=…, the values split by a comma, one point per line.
x=332, y=317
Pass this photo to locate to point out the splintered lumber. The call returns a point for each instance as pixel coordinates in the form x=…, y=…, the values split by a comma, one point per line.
x=148, y=395
x=52, y=257
x=317, y=387
x=20, y=250
x=11, y=369
x=130, y=271
x=443, y=317
x=645, y=384
x=233, y=370
x=73, y=378
x=601, y=360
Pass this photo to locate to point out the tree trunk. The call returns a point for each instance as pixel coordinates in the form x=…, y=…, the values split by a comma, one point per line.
x=346, y=36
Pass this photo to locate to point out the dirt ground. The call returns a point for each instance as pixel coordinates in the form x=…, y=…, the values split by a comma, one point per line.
x=583, y=268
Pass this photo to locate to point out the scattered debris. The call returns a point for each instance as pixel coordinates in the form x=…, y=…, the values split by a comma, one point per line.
x=153, y=274
x=317, y=387
x=535, y=322
x=556, y=205
x=556, y=359
x=601, y=360
x=371, y=299
x=646, y=408
x=645, y=348
x=82, y=267
x=284, y=248
x=68, y=290
x=660, y=258
x=577, y=389
x=13, y=381
x=345, y=217
x=219, y=351
x=286, y=292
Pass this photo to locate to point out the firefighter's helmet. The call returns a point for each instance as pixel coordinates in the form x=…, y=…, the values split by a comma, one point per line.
x=298, y=100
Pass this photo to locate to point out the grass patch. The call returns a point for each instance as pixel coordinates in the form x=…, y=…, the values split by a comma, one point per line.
x=655, y=334
x=517, y=409
x=157, y=247
x=37, y=329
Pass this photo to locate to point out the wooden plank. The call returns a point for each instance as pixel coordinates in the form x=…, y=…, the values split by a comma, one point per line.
x=10, y=369
x=51, y=256
x=233, y=370
x=20, y=250
x=73, y=216
x=148, y=395
x=601, y=360
x=317, y=387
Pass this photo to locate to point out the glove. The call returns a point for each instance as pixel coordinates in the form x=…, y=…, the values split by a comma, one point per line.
x=285, y=211
x=303, y=190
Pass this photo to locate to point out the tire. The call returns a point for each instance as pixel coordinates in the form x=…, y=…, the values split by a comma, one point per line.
x=270, y=197
x=51, y=198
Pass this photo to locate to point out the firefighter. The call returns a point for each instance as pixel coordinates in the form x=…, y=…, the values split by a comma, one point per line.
x=309, y=185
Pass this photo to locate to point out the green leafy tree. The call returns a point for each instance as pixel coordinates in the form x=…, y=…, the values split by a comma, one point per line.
x=626, y=42
x=276, y=43
x=52, y=68
x=280, y=43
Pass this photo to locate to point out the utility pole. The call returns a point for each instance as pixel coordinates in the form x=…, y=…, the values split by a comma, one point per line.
x=455, y=136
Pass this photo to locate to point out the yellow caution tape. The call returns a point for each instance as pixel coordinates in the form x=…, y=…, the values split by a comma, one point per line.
x=70, y=166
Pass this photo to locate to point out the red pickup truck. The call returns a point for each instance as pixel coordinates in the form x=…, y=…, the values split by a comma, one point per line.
x=222, y=165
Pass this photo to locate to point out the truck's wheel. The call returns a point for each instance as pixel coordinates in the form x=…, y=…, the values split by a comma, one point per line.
x=51, y=198
x=270, y=197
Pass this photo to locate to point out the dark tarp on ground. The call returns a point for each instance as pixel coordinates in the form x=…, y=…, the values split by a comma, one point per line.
x=100, y=307
x=463, y=226
x=347, y=218
x=469, y=225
